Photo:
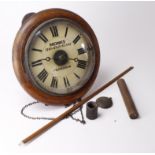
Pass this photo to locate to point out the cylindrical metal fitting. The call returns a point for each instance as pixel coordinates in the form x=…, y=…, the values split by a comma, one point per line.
x=104, y=102
x=91, y=110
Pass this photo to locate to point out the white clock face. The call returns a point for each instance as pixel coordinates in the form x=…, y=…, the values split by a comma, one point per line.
x=59, y=57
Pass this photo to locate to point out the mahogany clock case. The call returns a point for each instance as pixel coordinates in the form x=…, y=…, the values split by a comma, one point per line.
x=31, y=22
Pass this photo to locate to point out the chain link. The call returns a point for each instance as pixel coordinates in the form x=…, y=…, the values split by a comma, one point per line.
x=51, y=118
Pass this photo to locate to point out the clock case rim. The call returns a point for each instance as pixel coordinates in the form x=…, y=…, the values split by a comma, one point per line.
x=29, y=24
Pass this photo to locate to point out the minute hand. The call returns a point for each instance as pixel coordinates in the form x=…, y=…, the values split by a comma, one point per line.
x=74, y=59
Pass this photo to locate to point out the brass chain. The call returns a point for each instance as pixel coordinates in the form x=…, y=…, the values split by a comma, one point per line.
x=51, y=118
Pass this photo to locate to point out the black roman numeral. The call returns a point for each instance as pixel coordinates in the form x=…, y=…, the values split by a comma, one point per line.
x=43, y=38
x=81, y=51
x=77, y=76
x=42, y=75
x=36, y=63
x=54, y=31
x=37, y=50
x=66, y=32
x=76, y=39
x=66, y=82
x=54, y=82
x=82, y=64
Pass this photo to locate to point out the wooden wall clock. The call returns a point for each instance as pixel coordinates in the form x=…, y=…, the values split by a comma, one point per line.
x=56, y=56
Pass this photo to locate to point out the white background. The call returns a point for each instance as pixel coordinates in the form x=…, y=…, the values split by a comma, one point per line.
x=126, y=34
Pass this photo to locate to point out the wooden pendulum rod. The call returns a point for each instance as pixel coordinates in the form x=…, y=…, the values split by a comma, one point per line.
x=76, y=106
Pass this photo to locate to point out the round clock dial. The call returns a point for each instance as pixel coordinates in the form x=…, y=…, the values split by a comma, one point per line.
x=56, y=56
x=59, y=56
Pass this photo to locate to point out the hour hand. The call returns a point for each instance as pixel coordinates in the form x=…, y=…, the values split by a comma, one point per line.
x=39, y=62
x=47, y=59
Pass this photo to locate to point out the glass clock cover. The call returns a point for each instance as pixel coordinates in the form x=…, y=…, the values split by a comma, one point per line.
x=59, y=57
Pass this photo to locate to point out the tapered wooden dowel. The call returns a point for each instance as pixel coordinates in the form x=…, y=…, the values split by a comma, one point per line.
x=129, y=103
x=69, y=111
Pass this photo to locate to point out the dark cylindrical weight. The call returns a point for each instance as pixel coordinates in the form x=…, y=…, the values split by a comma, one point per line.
x=91, y=110
x=130, y=106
